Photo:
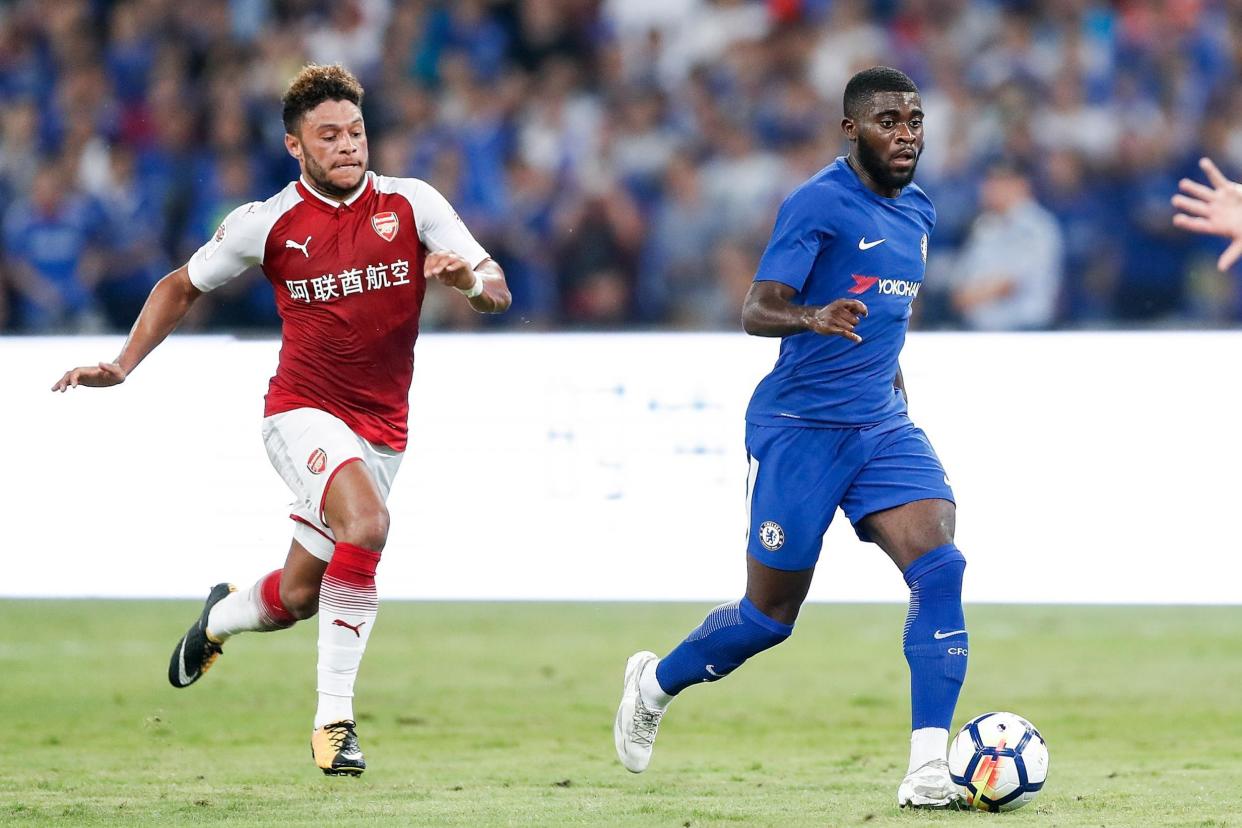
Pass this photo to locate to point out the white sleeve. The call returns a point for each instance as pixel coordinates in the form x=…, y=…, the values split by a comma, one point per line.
x=439, y=226
x=236, y=246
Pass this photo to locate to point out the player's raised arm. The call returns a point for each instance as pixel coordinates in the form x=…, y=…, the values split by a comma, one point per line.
x=1215, y=210
x=768, y=311
x=484, y=286
x=169, y=302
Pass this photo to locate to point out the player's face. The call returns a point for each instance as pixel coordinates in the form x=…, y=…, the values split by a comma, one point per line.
x=331, y=147
x=888, y=137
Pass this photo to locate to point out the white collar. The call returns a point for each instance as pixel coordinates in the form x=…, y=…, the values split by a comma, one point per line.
x=350, y=199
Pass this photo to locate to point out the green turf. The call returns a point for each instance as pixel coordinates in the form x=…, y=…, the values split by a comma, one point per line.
x=501, y=714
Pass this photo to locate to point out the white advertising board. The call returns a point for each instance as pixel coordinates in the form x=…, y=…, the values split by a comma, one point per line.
x=1087, y=467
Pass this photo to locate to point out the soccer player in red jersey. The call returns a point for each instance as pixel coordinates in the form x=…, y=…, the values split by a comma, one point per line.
x=349, y=254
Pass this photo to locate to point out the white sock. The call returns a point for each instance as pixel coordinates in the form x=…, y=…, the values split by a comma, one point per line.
x=926, y=744
x=240, y=611
x=346, y=616
x=650, y=691
x=333, y=709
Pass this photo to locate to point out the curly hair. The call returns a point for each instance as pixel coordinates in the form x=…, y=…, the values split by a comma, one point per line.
x=314, y=85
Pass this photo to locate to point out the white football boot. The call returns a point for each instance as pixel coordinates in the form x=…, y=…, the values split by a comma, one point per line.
x=635, y=728
x=929, y=786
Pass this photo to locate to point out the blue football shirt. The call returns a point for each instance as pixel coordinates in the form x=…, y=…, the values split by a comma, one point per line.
x=836, y=239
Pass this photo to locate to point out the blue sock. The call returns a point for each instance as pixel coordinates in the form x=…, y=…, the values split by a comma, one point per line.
x=730, y=634
x=935, y=640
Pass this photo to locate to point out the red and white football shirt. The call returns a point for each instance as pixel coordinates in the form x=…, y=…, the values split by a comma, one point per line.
x=349, y=288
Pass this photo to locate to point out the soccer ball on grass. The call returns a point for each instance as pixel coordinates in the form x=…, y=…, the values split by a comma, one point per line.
x=999, y=760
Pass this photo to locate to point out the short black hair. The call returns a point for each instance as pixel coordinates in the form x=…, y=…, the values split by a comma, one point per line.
x=868, y=82
x=314, y=85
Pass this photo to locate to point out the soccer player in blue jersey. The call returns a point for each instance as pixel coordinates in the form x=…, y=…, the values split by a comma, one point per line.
x=828, y=427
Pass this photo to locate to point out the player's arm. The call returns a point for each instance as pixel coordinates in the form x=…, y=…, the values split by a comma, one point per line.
x=1215, y=210
x=804, y=224
x=484, y=286
x=899, y=382
x=170, y=300
x=769, y=311
x=236, y=246
x=454, y=257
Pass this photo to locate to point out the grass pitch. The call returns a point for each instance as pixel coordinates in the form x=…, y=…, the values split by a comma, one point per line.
x=501, y=714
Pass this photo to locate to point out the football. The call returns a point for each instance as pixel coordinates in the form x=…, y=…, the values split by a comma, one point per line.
x=1000, y=760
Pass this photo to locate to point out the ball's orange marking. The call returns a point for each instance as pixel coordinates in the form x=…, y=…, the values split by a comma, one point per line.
x=988, y=773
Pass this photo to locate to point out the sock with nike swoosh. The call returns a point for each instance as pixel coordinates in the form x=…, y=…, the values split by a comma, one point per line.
x=936, y=647
x=348, y=604
x=730, y=634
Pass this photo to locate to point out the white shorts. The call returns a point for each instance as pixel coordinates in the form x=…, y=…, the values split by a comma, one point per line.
x=308, y=447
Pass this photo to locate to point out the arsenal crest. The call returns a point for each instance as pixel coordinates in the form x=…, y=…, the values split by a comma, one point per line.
x=317, y=461
x=386, y=225
x=212, y=246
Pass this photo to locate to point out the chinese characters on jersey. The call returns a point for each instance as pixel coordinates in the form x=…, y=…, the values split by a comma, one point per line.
x=328, y=287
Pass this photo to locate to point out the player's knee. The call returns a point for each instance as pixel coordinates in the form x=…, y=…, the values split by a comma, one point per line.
x=368, y=529
x=301, y=600
x=941, y=534
x=940, y=527
x=916, y=529
x=766, y=629
x=778, y=608
x=938, y=570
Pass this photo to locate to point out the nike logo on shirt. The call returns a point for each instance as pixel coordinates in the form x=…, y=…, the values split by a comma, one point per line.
x=939, y=635
x=863, y=244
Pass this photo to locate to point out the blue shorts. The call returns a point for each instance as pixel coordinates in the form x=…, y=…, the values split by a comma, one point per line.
x=799, y=476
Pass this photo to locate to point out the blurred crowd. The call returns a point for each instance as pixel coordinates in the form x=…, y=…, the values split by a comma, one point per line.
x=624, y=159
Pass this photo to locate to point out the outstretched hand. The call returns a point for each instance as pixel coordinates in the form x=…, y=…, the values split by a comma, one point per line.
x=92, y=376
x=1215, y=210
x=838, y=318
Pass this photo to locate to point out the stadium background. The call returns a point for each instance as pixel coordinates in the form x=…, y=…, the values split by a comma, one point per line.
x=622, y=158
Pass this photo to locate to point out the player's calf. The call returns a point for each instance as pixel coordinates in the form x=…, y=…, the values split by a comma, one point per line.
x=729, y=635
x=226, y=613
x=348, y=606
x=936, y=647
x=935, y=641
x=258, y=609
x=300, y=600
